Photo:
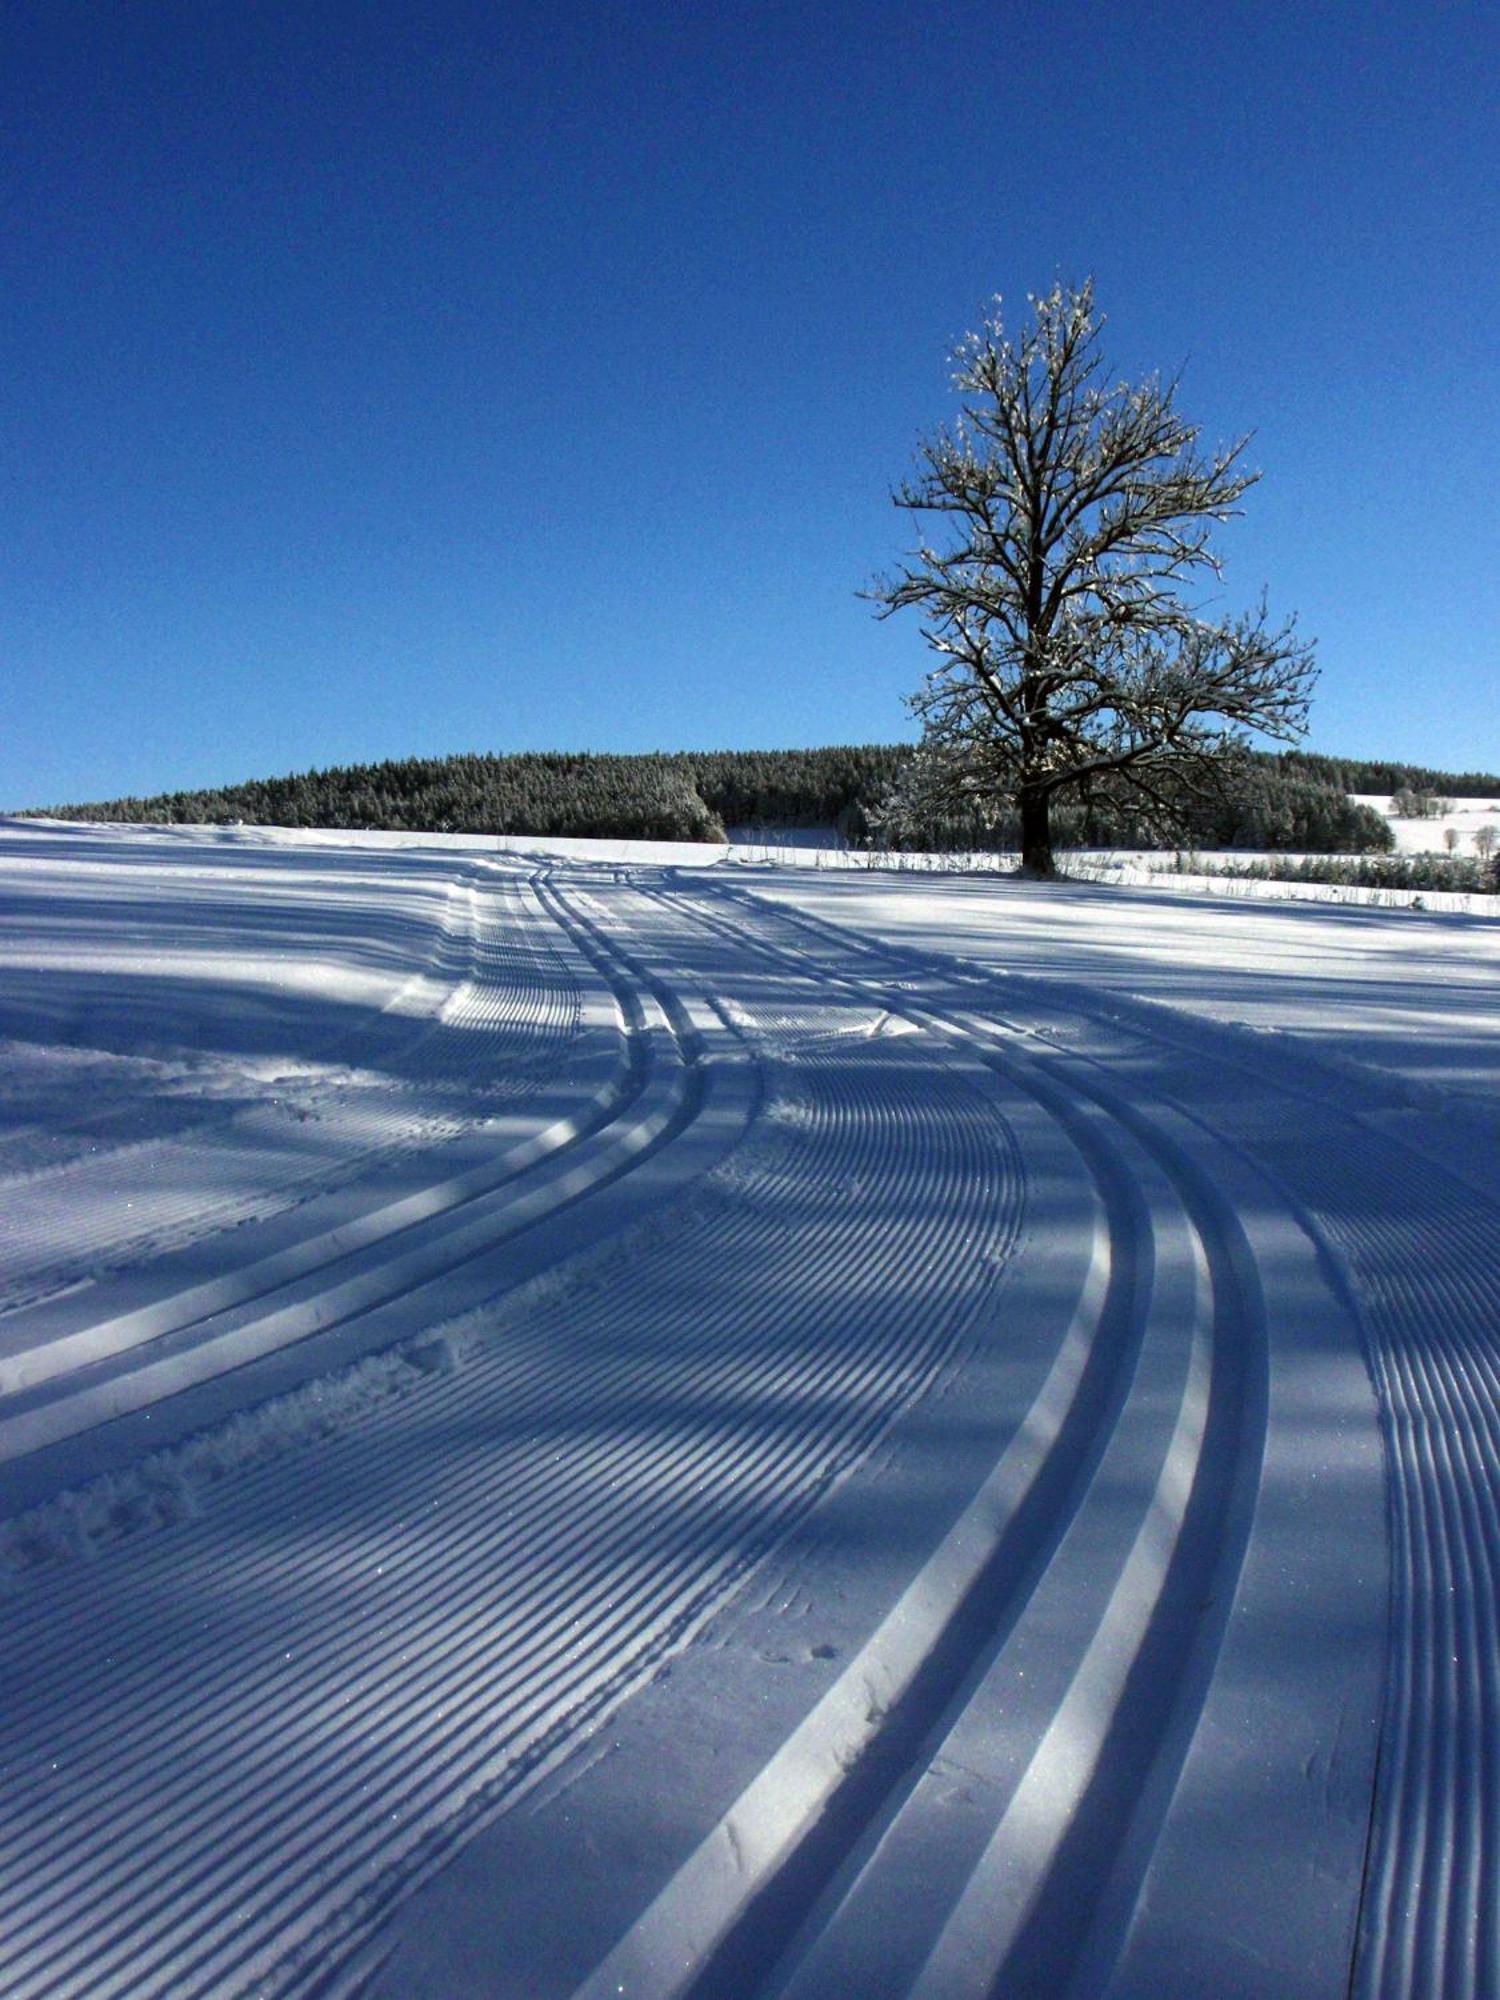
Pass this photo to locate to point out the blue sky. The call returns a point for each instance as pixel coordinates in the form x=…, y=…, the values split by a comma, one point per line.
x=391, y=379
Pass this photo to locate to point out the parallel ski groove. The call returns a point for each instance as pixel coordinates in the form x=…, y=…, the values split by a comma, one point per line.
x=333, y=1563
x=377, y=1258
x=1431, y=1922
x=506, y=1371
x=516, y=987
x=509, y=1383
x=814, y=1407
x=1222, y=1380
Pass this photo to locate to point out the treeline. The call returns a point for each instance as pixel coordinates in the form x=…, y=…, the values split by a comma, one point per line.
x=1292, y=802
x=836, y=787
x=1263, y=807
x=1453, y=874
x=667, y=796
x=1273, y=806
x=1379, y=777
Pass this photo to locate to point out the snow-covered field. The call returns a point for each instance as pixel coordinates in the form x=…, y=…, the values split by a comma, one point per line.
x=1450, y=832
x=596, y=1424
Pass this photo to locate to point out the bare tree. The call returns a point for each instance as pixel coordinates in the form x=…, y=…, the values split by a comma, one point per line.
x=1077, y=512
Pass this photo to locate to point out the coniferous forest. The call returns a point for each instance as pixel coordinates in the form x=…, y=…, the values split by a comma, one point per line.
x=1291, y=802
x=668, y=796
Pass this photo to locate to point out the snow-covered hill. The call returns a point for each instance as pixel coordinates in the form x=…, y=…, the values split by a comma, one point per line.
x=577, y=1424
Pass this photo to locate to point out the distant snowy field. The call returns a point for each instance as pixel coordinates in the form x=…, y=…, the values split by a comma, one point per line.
x=574, y=1421
x=1463, y=819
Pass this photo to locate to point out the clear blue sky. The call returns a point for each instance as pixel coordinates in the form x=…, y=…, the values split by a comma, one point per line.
x=403, y=378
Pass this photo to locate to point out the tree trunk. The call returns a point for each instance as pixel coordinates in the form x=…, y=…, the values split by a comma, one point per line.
x=1034, y=805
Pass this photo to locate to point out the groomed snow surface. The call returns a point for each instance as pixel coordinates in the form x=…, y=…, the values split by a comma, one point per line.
x=603, y=1425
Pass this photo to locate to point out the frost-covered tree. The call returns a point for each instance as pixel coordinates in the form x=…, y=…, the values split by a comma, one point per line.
x=1075, y=513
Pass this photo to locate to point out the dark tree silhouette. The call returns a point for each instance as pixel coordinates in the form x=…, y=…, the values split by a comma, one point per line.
x=1077, y=512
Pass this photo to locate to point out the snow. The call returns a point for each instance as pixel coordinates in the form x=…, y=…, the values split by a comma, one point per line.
x=1464, y=818
x=576, y=1422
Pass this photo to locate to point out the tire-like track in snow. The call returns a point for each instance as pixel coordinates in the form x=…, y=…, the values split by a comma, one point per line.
x=282, y=1714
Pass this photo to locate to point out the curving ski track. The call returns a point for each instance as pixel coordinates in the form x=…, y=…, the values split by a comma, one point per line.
x=500, y=1005
x=1073, y=1658
x=807, y=1191
x=1429, y=1920
x=396, y=1633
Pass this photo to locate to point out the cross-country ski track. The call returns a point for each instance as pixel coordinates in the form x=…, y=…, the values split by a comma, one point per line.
x=580, y=1427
